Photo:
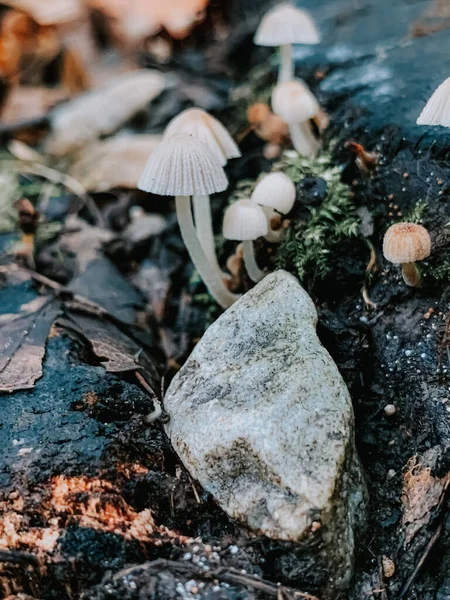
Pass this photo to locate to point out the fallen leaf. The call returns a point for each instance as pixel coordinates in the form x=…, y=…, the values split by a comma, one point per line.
x=155, y=284
x=102, y=111
x=102, y=283
x=134, y=20
x=117, y=162
x=83, y=240
x=131, y=20
x=143, y=226
x=115, y=350
x=422, y=493
x=23, y=336
x=49, y=12
x=179, y=17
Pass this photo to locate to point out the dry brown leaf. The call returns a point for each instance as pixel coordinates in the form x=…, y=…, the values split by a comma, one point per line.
x=131, y=20
x=117, y=162
x=422, y=493
x=26, y=103
x=117, y=351
x=102, y=111
x=134, y=20
x=22, y=344
x=49, y=12
x=179, y=17
x=83, y=240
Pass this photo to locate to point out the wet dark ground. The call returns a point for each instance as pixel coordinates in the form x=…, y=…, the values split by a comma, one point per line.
x=89, y=426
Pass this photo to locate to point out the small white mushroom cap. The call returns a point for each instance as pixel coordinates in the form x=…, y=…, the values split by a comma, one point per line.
x=244, y=221
x=437, y=109
x=286, y=24
x=182, y=166
x=210, y=131
x=276, y=191
x=294, y=102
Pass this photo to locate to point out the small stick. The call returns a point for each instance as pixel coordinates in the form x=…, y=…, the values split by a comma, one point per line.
x=69, y=182
x=18, y=558
x=230, y=576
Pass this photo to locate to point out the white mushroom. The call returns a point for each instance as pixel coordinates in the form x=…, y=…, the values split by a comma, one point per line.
x=283, y=26
x=182, y=166
x=245, y=221
x=201, y=125
x=437, y=109
x=276, y=194
x=296, y=104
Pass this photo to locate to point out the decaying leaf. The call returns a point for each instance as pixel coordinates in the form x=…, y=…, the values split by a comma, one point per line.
x=131, y=20
x=101, y=282
x=117, y=351
x=49, y=12
x=83, y=240
x=117, y=162
x=422, y=493
x=26, y=103
x=102, y=111
x=10, y=193
x=135, y=20
x=23, y=335
x=154, y=283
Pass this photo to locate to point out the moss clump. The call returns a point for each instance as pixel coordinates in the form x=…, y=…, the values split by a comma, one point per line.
x=310, y=243
x=417, y=214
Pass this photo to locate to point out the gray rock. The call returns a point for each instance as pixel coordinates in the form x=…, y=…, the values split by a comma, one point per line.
x=261, y=417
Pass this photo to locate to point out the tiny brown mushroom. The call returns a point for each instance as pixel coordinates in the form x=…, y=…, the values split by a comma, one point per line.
x=406, y=243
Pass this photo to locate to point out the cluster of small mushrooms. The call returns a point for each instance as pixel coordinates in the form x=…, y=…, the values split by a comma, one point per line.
x=188, y=164
x=407, y=243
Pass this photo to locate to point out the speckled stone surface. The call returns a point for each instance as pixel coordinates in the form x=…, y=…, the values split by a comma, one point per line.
x=262, y=418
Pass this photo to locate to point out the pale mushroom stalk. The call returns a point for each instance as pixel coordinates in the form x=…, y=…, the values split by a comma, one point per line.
x=254, y=272
x=211, y=275
x=286, y=68
x=303, y=139
x=411, y=274
x=203, y=226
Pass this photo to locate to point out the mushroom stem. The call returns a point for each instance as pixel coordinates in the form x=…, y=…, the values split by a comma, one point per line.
x=274, y=236
x=411, y=274
x=203, y=226
x=286, y=68
x=303, y=139
x=254, y=272
x=211, y=276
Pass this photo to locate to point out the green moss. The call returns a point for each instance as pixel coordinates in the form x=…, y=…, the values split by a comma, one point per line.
x=309, y=244
x=417, y=214
x=13, y=188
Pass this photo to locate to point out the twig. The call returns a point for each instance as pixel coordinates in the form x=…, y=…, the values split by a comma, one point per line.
x=11, y=128
x=54, y=285
x=230, y=576
x=19, y=558
x=422, y=559
x=69, y=182
x=431, y=543
x=367, y=300
x=157, y=412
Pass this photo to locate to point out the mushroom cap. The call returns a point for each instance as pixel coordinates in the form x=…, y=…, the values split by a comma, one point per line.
x=406, y=243
x=294, y=102
x=277, y=191
x=286, y=24
x=243, y=221
x=182, y=166
x=437, y=109
x=201, y=125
